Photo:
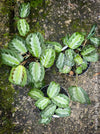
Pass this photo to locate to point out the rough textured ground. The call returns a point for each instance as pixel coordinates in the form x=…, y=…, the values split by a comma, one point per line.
x=65, y=16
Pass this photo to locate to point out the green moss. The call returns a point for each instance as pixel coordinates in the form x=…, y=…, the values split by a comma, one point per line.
x=7, y=93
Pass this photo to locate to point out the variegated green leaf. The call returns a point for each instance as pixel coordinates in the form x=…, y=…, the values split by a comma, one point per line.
x=42, y=103
x=61, y=100
x=24, y=10
x=57, y=46
x=60, y=61
x=35, y=94
x=10, y=57
x=65, y=40
x=87, y=50
x=38, y=84
x=47, y=58
x=48, y=111
x=75, y=40
x=78, y=70
x=45, y=120
x=34, y=44
x=69, y=57
x=84, y=65
x=95, y=41
x=78, y=59
x=92, y=31
x=78, y=94
x=18, y=75
x=23, y=27
x=53, y=89
x=63, y=112
x=37, y=71
x=18, y=44
x=92, y=57
x=65, y=69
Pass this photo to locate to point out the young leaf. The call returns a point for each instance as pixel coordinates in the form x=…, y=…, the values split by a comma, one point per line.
x=23, y=27
x=65, y=69
x=53, y=89
x=92, y=31
x=37, y=71
x=92, y=57
x=84, y=65
x=78, y=94
x=78, y=70
x=95, y=41
x=63, y=112
x=45, y=120
x=78, y=59
x=75, y=40
x=24, y=10
x=65, y=40
x=34, y=44
x=35, y=94
x=38, y=84
x=18, y=75
x=57, y=46
x=87, y=50
x=10, y=57
x=48, y=111
x=69, y=57
x=47, y=58
x=18, y=44
x=42, y=103
x=61, y=100
x=60, y=61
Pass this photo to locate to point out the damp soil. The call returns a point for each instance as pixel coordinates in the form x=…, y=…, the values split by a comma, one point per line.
x=63, y=16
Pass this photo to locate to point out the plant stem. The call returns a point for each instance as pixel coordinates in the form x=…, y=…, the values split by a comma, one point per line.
x=64, y=48
x=76, y=83
x=85, y=42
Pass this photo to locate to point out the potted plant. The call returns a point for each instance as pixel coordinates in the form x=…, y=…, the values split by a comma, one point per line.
x=80, y=49
x=52, y=100
x=29, y=55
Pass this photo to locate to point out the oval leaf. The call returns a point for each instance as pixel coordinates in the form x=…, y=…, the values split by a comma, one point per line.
x=75, y=40
x=78, y=94
x=53, y=89
x=47, y=58
x=37, y=71
x=42, y=103
x=63, y=112
x=24, y=10
x=35, y=94
x=87, y=50
x=65, y=69
x=18, y=75
x=23, y=27
x=60, y=61
x=61, y=100
x=78, y=59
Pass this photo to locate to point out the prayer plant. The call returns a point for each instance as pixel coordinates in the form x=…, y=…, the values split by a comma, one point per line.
x=29, y=55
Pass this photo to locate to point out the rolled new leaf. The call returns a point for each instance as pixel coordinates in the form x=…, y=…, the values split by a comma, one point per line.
x=60, y=61
x=53, y=89
x=48, y=111
x=63, y=112
x=24, y=10
x=87, y=50
x=78, y=94
x=65, y=40
x=10, y=57
x=75, y=40
x=37, y=71
x=18, y=75
x=57, y=46
x=48, y=57
x=42, y=103
x=35, y=94
x=18, y=44
x=34, y=43
x=23, y=27
x=61, y=100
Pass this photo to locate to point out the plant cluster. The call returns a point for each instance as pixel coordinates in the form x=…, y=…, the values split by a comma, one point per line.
x=29, y=55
